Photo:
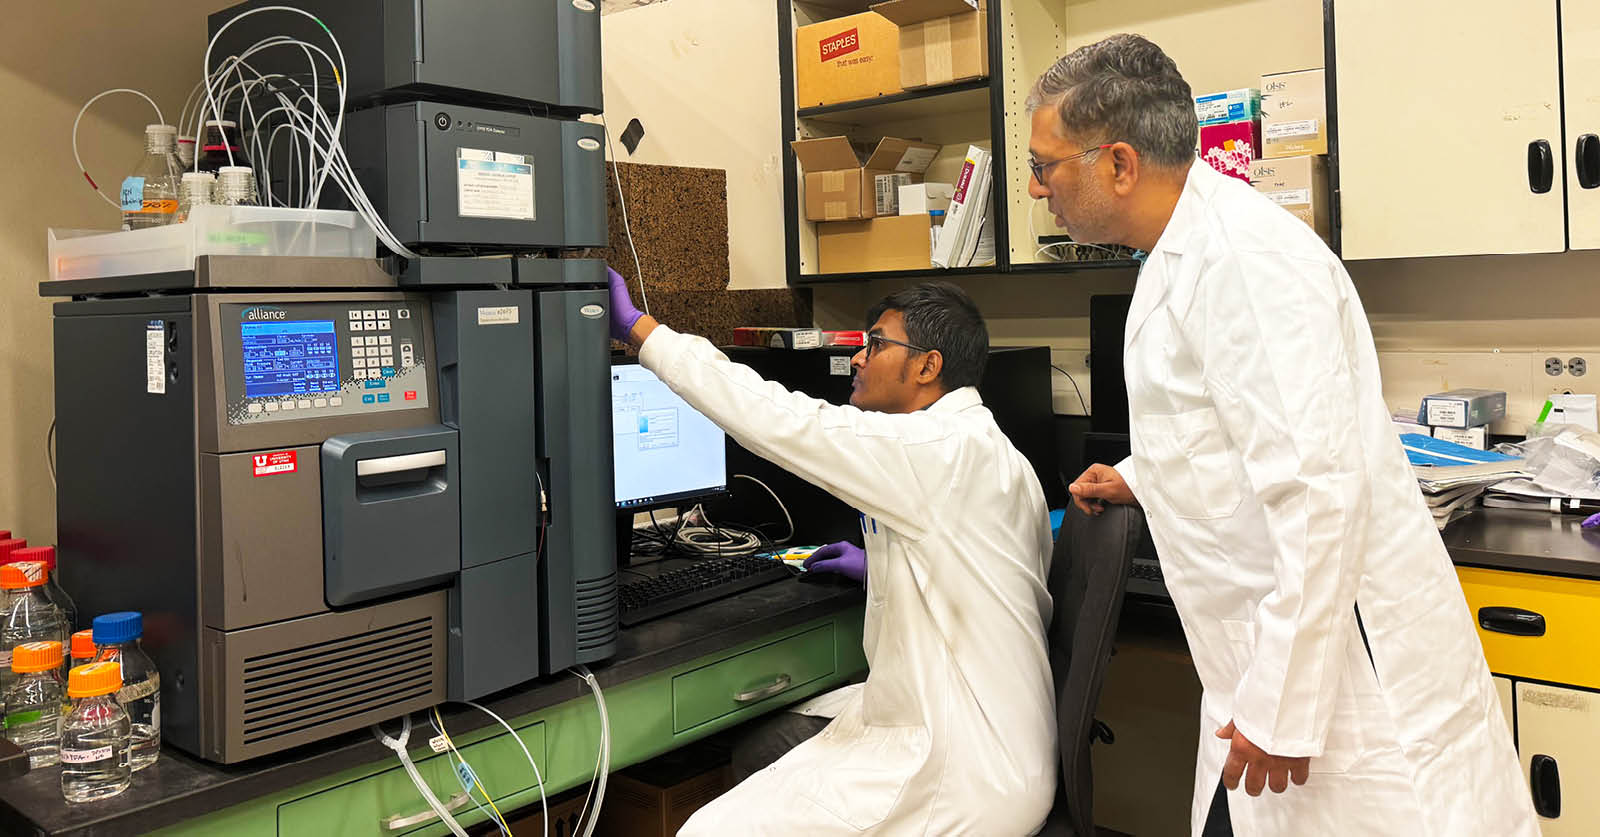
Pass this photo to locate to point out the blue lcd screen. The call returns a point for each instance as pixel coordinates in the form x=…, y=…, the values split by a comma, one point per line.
x=289, y=358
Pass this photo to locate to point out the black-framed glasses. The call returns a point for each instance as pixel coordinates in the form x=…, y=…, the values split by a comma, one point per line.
x=875, y=344
x=1040, y=168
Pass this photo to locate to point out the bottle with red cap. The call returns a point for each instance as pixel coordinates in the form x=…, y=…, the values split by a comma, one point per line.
x=53, y=590
x=9, y=545
x=29, y=616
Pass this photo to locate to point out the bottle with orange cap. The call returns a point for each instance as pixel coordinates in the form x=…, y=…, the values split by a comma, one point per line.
x=28, y=615
x=82, y=648
x=33, y=705
x=53, y=591
x=94, y=737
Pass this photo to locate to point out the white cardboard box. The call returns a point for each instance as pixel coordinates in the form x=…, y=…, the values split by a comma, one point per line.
x=922, y=198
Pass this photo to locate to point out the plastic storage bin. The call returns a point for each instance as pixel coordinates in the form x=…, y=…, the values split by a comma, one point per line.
x=211, y=231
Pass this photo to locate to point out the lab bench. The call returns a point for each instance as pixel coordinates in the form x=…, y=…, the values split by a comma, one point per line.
x=673, y=680
x=1532, y=581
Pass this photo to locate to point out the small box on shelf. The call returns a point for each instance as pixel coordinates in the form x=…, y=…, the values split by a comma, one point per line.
x=898, y=242
x=846, y=59
x=922, y=198
x=1298, y=184
x=1228, y=106
x=840, y=186
x=941, y=41
x=1230, y=147
x=1294, y=114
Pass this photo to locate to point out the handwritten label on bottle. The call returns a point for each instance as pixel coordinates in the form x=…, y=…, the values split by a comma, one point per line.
x=85, y=756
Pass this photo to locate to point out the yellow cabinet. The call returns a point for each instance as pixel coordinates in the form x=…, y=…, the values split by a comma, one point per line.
x=1536, y=626
x=1558, y=742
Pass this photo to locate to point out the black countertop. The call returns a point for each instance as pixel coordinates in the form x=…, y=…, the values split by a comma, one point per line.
x=180, y=787
x=1524, y=541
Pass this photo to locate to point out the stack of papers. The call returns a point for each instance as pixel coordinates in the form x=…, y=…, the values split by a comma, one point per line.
x=1452, y=476
x=963, y=235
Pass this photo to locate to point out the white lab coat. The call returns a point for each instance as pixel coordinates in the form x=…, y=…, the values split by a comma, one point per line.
x=954, y=730
x=1281, y=504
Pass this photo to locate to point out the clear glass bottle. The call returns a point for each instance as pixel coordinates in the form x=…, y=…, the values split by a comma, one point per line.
x=236, y=186
x=29, y=616
x=33, y=705
x=186, y=151
x=117, y=635
x=222, y=146
x=198, y=189
x=150, y=194
x=82, y=649
x=95, y=736
x=52, y=586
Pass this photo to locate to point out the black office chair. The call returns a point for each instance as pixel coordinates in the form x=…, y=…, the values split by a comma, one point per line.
x=1088, y=576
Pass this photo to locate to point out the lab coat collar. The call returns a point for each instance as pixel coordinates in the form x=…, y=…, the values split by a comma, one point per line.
x=956, y=400
x=1167, y=257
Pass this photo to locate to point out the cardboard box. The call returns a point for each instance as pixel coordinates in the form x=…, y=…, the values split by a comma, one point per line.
x=844, y=338
x=778, y=338
x=1228, y=106
x=1231, y=147
x=900, y=242
x=846, y=59
x=1298, y=184
x=1294, y=114
x=840, y=187
x=922, y=198
x=656, y=798
x=941, y=41
x=1472, y=437
x=1462, y=408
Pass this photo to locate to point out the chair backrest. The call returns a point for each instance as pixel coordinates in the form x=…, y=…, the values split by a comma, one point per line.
x=1088, y=576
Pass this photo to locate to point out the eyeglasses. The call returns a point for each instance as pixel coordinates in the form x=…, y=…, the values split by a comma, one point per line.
x=1040, y=168
x=875, y=344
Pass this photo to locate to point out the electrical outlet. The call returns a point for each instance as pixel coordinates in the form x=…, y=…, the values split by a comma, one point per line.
x=1577, y=367
x=1554, y=367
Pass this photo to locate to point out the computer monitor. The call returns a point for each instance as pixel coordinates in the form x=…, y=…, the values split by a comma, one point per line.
x=665, y=451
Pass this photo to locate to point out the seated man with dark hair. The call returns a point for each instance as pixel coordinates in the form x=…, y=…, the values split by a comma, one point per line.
x=954, y=730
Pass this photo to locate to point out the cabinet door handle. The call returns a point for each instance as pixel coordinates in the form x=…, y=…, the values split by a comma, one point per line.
x=776, y=686
x=1511, y=620
x=1541, y=166
x=1545, y=779
x=1587, y=154
x=399, y=821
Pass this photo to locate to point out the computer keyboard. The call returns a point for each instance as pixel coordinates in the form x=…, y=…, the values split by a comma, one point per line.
x=707, y=580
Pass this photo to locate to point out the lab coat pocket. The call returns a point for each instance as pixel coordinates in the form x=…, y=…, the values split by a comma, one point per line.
x=1193, y=467
x=866, y=769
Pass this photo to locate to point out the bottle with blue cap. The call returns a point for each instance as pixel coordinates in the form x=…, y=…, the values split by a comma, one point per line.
x=117, y=636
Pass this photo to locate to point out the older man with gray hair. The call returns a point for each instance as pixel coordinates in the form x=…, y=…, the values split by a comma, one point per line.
x=1326, y=623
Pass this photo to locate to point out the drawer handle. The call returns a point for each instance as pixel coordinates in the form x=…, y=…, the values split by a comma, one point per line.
x=1545, y=778
x=399, y=821
x=1511, y=620
x=764, y=692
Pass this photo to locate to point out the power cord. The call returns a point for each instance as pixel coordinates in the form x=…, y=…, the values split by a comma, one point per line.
x=775, y=498
x=1082, y=403
x=622, y=202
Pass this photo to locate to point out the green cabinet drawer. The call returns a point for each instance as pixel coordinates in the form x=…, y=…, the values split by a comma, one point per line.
x=364, y=805
x=760, y=674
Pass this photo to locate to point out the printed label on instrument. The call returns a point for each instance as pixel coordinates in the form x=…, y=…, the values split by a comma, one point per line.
x=499, y=315
x=155, y=358
x=493, y=184
x=276, y=462
x=839, y=365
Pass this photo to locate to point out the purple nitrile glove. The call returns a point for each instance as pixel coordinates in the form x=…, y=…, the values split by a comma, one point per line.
x=844, y=558
x=623, y=314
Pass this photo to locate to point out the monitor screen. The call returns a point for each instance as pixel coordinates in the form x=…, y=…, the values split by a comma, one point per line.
x=664, y=449
x=289, y=358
